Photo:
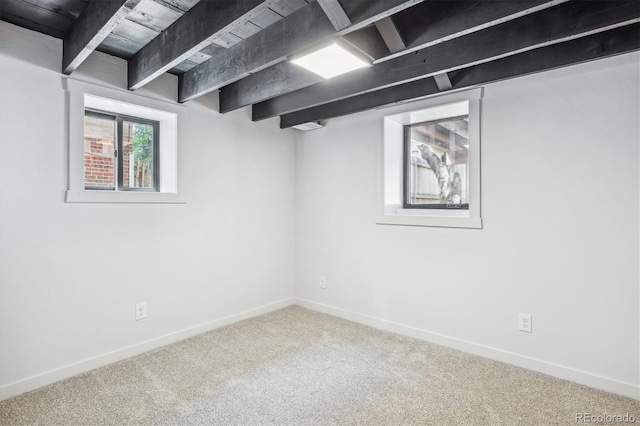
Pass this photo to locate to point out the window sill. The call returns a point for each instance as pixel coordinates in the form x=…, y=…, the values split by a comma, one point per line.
x=430, y=221
x=124, y=197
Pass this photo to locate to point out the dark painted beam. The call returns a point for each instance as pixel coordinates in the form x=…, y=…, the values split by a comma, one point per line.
x=384, y=97
x=431, y=22
x=93, y=25
x=298, y=31
x=598, y=46
x=456, y=19
x=186, y=36
x=269, y=46
x=553, y=25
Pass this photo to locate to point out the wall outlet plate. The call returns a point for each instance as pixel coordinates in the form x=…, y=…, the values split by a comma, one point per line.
x=524, y=322
x=323, y=282
x=141, y=311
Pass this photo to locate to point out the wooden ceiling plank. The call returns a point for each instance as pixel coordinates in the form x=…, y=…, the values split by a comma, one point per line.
x=180, y=5
x=246, y=30
x=94, y=24
x=186, y=36
x=597, y=46
x=133, y=31
x=335, y=13
x=296, y=32
x=553, y=25
x=257, y=87
x=286, y=7
x=199, y=57
x=121, y=46
x=154, y=15
x=266, y=18
x=226, y=40
x=390, y=34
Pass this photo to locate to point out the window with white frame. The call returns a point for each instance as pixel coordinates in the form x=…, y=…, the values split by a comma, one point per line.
x=431, y=163
x=122, y=147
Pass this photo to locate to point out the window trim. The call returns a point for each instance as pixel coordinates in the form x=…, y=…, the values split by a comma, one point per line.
x=391, y=173
x=81, y=94
x=118, y=164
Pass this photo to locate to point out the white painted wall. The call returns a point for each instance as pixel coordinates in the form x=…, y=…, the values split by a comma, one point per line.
x=560, y=204
x=70, y=274
x=560, y=189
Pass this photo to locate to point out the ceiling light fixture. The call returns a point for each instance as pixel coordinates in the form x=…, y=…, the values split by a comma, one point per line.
x=332, y=60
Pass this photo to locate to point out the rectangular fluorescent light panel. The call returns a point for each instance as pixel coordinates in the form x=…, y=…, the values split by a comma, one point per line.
x=330, y=61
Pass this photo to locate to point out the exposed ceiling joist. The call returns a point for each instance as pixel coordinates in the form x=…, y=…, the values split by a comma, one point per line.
x=269, y=46
x=390, y=35
x=597, y=46
x=186, y=36
x=93, y=25
x=434, y=22
x=298, y=31
x=550, y=26
x=335, y=13
x=283, y=78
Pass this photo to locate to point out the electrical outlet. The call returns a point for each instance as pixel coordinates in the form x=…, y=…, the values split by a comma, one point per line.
x=141, y=310
x=323, y=282
x=524, y=322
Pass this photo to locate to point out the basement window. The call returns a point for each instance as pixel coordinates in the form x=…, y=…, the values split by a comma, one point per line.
x=436, y=164
x=122, y=147
x=120, y=152
x=431, y=166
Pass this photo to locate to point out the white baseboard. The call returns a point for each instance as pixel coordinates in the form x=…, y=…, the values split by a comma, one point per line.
x=40, y=380
x=562, y=372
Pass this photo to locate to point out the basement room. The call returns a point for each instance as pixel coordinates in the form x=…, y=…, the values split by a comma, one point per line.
x=319, y=212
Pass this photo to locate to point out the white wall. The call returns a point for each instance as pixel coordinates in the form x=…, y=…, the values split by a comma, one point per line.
x=70, y=274
x=560, y=188
x=560, y=201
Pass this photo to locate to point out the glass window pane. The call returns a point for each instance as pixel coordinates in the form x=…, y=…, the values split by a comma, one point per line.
x=99, y=164
x=438, y=164
x=137, y=158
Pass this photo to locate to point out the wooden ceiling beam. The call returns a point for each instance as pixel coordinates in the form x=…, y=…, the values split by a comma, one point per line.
x=188, y=35
x=431, y=23
x=93, y=25
x=554, y=25
x=447, y=24
x=597, y=46
x=298, y=31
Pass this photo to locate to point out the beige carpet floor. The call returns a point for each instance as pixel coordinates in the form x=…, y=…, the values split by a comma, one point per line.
x=300, y=367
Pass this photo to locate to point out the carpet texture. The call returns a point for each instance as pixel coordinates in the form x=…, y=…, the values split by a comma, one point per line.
x=300, y=367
